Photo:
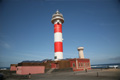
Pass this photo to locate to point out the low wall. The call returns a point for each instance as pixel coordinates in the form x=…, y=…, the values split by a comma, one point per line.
x=81, y=69
x=23, y=70
x=63, y=70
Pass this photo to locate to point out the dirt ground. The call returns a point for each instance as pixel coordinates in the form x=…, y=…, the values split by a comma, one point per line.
x=94, y=74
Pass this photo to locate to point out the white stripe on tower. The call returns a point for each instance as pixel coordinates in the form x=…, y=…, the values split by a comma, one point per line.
x=58, y=37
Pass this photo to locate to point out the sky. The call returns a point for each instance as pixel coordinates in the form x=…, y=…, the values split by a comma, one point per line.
x=26, y=31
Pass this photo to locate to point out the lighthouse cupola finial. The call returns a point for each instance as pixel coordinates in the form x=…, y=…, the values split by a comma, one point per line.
x=57, y=17
x=57, y=12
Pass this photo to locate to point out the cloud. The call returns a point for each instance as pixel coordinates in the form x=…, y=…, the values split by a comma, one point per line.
x=115, y=58
x=4, y=44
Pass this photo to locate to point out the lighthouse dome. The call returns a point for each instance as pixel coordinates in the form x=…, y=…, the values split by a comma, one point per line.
x=57, y=16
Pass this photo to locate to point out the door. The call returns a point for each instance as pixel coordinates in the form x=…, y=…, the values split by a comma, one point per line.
x=57, y=66
x=53, y=65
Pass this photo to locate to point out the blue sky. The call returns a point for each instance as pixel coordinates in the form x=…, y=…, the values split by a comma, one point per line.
x=26, y=31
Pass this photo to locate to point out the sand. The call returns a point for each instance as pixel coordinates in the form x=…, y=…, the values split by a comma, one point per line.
x=94, y=74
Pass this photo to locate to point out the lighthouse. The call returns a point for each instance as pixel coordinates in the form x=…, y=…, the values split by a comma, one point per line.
x=77, y=64
x=58, y=20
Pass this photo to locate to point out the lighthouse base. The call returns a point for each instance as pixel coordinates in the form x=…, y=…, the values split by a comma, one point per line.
x=58, y=56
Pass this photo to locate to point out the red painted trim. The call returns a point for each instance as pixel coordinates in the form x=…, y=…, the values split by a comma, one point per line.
x=58, y=47
x=57, y=28
x=78, y=69
x=88, y=68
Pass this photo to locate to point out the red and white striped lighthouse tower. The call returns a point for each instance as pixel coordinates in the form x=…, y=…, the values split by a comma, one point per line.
x=58, y=20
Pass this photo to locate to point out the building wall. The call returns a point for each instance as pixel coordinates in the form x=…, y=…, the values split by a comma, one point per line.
x=13, y=68
x=47, y=64
x=80, y=64
x=64, y=64
x=23, y=70
x=34, y=68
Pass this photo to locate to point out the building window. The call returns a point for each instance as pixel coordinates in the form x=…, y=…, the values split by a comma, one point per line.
x=84, y=64
x=79, y=64
x=73, y=64
x=88, y=64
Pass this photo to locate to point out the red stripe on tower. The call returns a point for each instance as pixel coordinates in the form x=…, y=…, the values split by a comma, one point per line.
x=58, y=46
x=57, y=20
x=57, y=28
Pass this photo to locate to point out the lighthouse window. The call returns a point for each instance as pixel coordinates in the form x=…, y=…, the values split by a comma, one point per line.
x=55, y=57
x=73, y=64
x=58, y=23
